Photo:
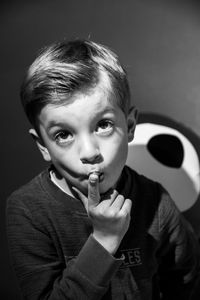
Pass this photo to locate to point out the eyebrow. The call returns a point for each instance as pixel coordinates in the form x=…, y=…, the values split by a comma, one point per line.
x=55, y=123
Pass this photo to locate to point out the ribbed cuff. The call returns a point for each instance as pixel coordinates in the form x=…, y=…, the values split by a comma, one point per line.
x=96, y=263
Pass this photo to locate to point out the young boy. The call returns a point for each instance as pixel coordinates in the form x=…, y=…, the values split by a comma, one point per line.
x=89, y=227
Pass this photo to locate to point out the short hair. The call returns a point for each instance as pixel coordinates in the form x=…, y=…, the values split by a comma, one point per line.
x=67, y=67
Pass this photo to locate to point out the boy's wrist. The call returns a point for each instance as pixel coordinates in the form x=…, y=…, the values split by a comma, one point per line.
x=102, y=265
x=110, y=244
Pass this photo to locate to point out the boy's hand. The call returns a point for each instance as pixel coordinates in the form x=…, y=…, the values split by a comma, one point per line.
x=110, y=217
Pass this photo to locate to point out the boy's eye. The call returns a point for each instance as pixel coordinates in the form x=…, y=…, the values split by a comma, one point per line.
x=104, y=127
x=63, y=137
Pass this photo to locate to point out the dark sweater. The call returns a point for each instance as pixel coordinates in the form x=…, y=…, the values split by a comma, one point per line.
x=56, y=257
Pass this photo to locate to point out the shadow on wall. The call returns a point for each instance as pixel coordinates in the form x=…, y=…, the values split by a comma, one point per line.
x=169, y=152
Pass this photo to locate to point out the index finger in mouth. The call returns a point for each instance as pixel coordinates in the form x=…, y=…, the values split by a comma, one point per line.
x=93, y=189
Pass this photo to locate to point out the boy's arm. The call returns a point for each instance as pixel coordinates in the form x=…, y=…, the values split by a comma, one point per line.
x=179, y=252
x=43, y=276
x=110, y=217
x=40, y=273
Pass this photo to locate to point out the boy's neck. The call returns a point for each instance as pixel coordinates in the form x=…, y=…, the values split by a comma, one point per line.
x=60, y=182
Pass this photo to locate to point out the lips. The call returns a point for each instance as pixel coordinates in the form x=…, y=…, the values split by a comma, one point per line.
x=101, y=177
x=98, y=173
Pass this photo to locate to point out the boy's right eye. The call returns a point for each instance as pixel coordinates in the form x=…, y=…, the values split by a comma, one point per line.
x=63, y=137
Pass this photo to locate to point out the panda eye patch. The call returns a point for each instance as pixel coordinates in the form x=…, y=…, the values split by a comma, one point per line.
x=167, y=149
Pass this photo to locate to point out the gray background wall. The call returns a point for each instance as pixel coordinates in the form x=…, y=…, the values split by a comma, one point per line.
x=158, y=42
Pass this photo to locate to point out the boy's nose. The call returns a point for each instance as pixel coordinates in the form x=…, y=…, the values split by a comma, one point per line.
x=89, y=152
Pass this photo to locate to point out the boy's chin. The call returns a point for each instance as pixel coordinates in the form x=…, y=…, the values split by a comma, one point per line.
x=106, y=189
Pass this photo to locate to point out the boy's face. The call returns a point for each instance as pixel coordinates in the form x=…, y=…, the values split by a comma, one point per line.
x=89, y=133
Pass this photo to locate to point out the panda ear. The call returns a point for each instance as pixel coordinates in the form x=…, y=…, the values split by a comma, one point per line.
x=167, y=149
x=131, y=122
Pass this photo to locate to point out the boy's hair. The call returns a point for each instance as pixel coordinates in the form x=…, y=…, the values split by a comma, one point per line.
x=65, y=68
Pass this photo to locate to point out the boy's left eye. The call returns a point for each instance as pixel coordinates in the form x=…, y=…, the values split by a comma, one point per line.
x=104, y=127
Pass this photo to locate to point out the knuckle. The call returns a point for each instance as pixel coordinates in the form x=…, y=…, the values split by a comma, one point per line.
x=120, y=197
x=97, y=213
x=124, y=214
x=112, y=213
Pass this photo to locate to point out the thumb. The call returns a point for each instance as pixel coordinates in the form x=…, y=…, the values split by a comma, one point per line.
x=93, y=190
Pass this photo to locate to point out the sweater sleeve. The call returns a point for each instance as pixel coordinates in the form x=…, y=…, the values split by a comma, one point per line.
x=42, y=275
x=179, y=254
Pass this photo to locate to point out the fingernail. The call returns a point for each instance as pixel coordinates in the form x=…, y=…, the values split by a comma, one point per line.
x=93, y=178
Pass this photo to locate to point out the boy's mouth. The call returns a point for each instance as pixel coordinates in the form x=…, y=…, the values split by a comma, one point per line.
x=99, y=174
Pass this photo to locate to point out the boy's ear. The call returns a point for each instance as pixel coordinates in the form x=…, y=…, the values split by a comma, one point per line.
x=44, y=151
x=131, y=122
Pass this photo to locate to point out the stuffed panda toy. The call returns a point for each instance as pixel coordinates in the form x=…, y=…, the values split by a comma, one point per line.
x=167, y=152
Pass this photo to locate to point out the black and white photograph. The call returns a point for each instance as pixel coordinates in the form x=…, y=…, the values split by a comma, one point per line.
x=100, y=150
